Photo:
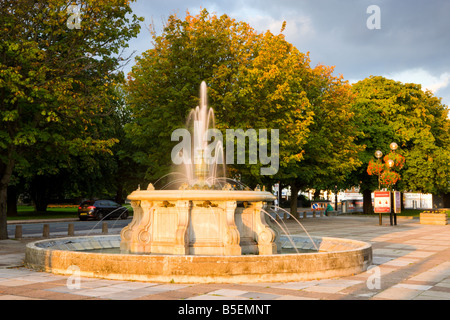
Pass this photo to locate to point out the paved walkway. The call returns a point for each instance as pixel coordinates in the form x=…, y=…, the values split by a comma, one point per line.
x=411, y=262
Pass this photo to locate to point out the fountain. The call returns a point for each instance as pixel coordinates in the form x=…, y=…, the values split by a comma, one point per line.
x=197, y=219
x=202, y=231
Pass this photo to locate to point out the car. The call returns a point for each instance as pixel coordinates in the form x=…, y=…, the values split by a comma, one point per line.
x=101, y=209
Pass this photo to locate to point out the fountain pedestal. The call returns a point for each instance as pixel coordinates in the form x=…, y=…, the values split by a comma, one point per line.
x=190, y=222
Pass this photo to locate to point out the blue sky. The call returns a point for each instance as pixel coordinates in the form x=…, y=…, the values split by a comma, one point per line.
x=412, y=45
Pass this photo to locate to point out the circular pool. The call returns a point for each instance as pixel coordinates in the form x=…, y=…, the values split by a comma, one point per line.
x=100, y=257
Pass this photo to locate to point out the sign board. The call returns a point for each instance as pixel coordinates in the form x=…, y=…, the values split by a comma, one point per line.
x=397, y=202
x=418, y=200
x=352, y=196
x=382, y=202
x=319, y=205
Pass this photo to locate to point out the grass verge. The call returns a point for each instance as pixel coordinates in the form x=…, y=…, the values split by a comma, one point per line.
x=53, y=212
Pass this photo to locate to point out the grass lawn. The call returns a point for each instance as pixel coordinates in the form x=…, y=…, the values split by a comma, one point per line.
x=416, y=212
x=53, y=212
x=411, y=212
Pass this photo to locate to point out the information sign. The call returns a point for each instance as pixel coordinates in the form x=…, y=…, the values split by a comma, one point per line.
x=397, y=202
x=382, y=202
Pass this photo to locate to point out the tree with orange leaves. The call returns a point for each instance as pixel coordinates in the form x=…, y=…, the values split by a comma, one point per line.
x=255, y=81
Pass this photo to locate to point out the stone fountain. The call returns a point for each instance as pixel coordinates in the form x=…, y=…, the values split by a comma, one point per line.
x=197, y=219
x=203, y=231
x=199, y=222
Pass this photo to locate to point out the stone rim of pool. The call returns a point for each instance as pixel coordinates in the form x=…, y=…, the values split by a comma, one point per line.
x=65, y=256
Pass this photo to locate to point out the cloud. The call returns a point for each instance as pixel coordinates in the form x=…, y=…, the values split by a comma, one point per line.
x=296, y=24
x=423, y=77
x=411, y=46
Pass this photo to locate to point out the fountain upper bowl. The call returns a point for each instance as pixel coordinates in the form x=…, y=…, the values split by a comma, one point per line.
x=199, y=195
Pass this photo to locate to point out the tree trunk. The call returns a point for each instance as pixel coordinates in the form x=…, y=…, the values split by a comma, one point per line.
x=402, y=201
x=446, y=200
x=280, y=187
x=367, y=202
x=40, y=205
x=316, y=194
x=39, y=193
x=294, y=196
x=3, y=220
x=119, y=194
x=6, y=170
x=11, y=202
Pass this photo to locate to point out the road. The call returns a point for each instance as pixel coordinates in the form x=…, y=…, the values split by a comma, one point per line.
x=60, y=228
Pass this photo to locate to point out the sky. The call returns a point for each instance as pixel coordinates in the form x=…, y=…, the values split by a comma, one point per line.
x=404, y=40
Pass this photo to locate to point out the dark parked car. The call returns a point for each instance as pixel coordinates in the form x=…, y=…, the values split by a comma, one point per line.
x=101, y=209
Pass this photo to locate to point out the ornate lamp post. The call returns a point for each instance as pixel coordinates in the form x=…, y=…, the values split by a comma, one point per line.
x=394, y=178
x=390, y=163
x=387, y=175
x=376, y=168
x=379, y=155
x=394, y=146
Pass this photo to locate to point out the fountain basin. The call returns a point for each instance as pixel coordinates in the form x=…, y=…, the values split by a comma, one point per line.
x=336, y=258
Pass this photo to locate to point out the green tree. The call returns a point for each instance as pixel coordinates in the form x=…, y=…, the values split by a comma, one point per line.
x=164, y=84
x=389, y=111
x=127, y=174
x=48, y=171
x=54, y=80
x=269, y=93
x=309, y=106
x=256, y=81
x=331, y=151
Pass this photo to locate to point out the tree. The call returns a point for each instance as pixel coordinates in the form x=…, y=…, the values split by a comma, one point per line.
x=310, y=106
x=127, y=173
x=269, y=92
x=54, y=80
x=331, y=151
x=164, y=84
x=389, y=111
x=256, y=81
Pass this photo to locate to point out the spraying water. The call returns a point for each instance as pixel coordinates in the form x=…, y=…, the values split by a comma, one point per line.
x=102, y=219
x=285, y=230
x=201, y=167
x=301, y=225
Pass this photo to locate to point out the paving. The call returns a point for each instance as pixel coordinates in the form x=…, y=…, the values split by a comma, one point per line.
x=410, y=262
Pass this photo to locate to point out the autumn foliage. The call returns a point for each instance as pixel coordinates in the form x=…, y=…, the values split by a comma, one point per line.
x=375, y=167
x=255, y=81
x=388, y=176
